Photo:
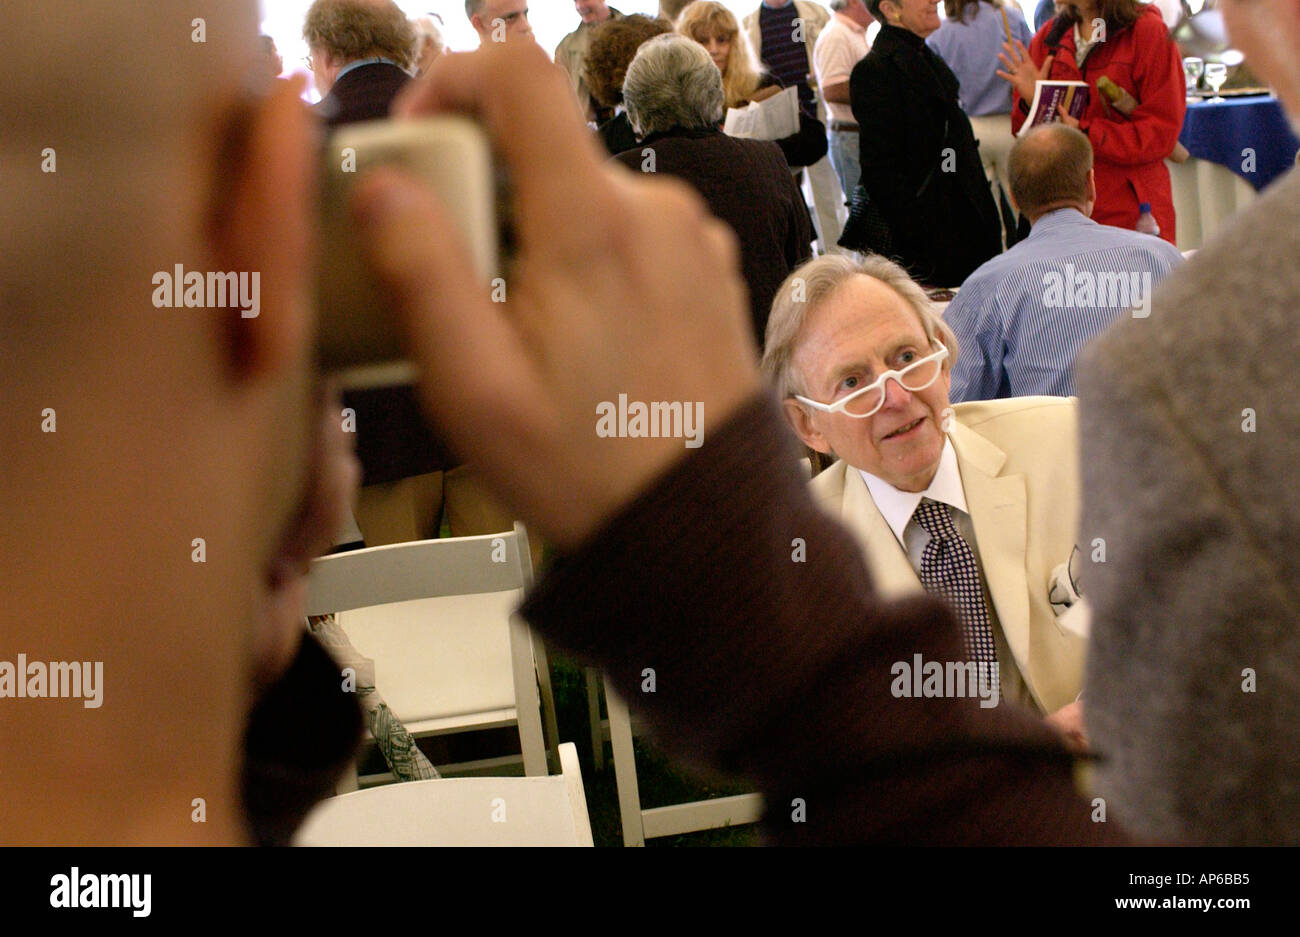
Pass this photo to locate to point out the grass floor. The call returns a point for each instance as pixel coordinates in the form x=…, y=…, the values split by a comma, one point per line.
x=661, y=782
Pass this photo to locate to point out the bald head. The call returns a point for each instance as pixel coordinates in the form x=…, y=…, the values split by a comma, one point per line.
x=86, y=160
x=1051, y=167
x=166, y=421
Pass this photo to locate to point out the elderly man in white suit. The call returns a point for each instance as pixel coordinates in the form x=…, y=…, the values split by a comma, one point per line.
x=978, y=501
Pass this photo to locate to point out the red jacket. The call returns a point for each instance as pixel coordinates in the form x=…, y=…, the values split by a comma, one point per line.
x=1128, y=152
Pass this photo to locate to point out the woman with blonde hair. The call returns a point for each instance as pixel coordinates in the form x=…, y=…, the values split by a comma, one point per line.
x=715, y=27
x=744, y=81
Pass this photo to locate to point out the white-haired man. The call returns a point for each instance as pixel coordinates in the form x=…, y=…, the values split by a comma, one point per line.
x=186, y=433
x=975, y=503
x=429, y=42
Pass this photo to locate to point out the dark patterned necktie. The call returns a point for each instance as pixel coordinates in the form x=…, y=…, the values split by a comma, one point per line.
x=949, y=570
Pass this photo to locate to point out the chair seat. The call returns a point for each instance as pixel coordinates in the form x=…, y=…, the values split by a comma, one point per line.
x=436, y=619
x=441, y=659
x=528, y=811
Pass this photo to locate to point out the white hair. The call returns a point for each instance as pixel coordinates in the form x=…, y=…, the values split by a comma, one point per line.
x=672, y=82
x=809, y=285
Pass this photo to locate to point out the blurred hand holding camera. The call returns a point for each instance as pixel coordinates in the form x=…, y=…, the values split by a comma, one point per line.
x=620, y=285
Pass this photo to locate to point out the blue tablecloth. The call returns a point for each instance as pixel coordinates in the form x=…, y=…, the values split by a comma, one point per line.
x=1222, y=131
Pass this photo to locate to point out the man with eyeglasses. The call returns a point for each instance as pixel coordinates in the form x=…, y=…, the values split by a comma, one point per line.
x=974, y=503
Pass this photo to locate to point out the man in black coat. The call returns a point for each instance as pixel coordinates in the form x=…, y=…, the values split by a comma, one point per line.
x=920, y=162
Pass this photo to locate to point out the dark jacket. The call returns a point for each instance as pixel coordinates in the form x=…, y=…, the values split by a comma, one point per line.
x=747, y=184
x=809, y=144
x=617, y=134
x=365, y=93
x=903, y=95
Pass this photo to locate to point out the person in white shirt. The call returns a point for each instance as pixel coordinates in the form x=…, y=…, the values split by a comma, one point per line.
x=841, y=45
x=975, y=503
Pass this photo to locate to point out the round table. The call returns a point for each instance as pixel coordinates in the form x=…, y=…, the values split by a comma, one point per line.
x=1238, y=146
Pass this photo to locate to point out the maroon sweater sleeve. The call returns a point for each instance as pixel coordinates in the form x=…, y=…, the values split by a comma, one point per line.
x=772, y=660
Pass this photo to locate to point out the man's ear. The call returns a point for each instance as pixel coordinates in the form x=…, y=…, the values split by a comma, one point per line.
x=802, y=423
x=1092, y=190
x=262, y=218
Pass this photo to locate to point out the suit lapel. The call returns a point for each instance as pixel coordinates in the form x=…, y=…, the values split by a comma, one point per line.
x=997, y=510
x=892, y=573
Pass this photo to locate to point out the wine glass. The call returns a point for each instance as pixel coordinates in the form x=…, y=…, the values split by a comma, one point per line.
x=1193, y=68
x=1216, y=73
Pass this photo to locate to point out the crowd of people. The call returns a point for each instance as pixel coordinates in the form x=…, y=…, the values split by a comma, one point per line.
x=1116, y=567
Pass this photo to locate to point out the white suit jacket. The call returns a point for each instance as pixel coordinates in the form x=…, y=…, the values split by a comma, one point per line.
x=1018, y=460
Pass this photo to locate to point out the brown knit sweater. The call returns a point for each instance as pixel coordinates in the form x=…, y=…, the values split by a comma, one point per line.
x=776, y=668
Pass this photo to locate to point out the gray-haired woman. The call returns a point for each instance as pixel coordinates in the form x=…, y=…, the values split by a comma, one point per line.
x=674, y=98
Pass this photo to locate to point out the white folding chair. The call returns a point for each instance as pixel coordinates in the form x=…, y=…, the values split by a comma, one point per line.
x=437, y=617
x=639, y=824
x=541, y=811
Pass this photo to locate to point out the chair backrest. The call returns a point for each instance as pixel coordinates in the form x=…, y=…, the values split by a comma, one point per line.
x=437, y=618
x=538, y=811
x=422, y=569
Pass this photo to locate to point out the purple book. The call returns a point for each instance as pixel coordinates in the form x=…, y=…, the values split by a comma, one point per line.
x=1049, y=95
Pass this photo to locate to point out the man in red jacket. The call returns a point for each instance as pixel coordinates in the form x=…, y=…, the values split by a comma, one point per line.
x=1126, y=41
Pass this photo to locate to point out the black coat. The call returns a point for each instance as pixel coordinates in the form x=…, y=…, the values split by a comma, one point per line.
x=748, y=185
x=807, y=145
x=365, y=93
x=901, y=94
x=617, y=134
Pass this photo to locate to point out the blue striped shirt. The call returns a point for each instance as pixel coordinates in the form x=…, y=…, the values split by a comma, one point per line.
x=1022, y=318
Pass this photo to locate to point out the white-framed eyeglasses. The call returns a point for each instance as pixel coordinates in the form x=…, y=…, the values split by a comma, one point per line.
x=865, y=401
